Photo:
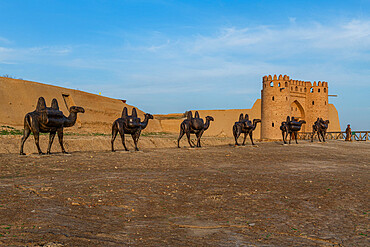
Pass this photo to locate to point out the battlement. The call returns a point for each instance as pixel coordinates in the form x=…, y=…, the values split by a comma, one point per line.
x=275, y=78
x=271, y=79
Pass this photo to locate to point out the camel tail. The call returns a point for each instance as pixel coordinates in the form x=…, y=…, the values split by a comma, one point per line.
x=114, y=127
x=27, y=121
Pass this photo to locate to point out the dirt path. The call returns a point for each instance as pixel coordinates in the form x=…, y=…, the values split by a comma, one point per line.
x=271, y=195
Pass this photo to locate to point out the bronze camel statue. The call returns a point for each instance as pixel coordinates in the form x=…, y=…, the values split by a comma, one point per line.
x=291, y=127
x=244, y=125
x=129, y=125
x=195, y=126
x=320, y=126
x=48, y=120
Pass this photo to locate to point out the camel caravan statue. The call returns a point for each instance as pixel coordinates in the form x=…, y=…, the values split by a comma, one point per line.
x=129, y=125
x=48, y=120
x=320, y=126
x=244, y=125
x=291, y=127
x=195, y=126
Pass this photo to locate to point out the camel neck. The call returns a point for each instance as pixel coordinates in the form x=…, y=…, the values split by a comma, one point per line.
x=71, y=119
x=145, y=122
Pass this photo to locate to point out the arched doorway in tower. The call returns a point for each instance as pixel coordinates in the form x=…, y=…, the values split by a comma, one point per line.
x=297, y=112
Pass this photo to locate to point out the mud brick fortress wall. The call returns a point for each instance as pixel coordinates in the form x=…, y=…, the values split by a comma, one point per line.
x=282, y=97
x=17, y=97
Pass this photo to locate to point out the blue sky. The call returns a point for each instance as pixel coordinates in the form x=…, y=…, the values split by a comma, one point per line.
x=171, y=56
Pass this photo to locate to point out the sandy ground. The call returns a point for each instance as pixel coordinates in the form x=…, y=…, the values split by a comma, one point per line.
x=311, y=194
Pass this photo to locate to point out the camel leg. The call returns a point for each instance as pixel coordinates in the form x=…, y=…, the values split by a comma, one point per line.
x=199, y=135
x=188, y=136
x=236, y=133
x=283, y=134
x=36, y=135
x=135, y=137
x=251, y=136
x=296, y=137
x=319, y=135
x=323, y=136
x=114, y=134
x=290, y=137
x=182, y=132
x=51, y=139
x=286, y=136
x=245, y=138
x=122, y=134
x=26, y=134
x=60, y=137
x=33, y=125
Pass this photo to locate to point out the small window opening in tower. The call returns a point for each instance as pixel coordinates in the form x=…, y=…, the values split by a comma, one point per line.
x=296, y=109
x=296, y=88
x=279, y=84
x=271, y=84
x=325, y=102
x=291, y=108
x=273, y=98
x=264, y=85
x=291, y=88
x=300, y=90
x=311, y=90
x=286, y=98
x=324, y=90
x=305, y=89
x=313, y=102
x=273, y=125
x=318, y=90
x=286, y=84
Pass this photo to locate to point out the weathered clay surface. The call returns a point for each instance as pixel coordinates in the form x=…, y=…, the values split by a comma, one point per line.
x=312, y=194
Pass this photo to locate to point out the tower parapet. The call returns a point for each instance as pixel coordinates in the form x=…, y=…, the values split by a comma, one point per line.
x=282, y=96
x=274, y=95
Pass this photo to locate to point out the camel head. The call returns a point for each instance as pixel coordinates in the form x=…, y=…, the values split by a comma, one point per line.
x=256, y=120
x=76, y=109
x=302, y=121
x=148, y=116
x=209, y=118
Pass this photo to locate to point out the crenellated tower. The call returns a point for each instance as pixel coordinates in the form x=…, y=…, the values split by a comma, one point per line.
x=282, y=97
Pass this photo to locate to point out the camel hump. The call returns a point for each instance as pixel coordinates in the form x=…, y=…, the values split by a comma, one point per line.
x=241, y=117
x=124, y=113
x=134, y=113
x=189, y=115
x=196, y=115
x=246, y=117
x=41, y=105
x=54, y=104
